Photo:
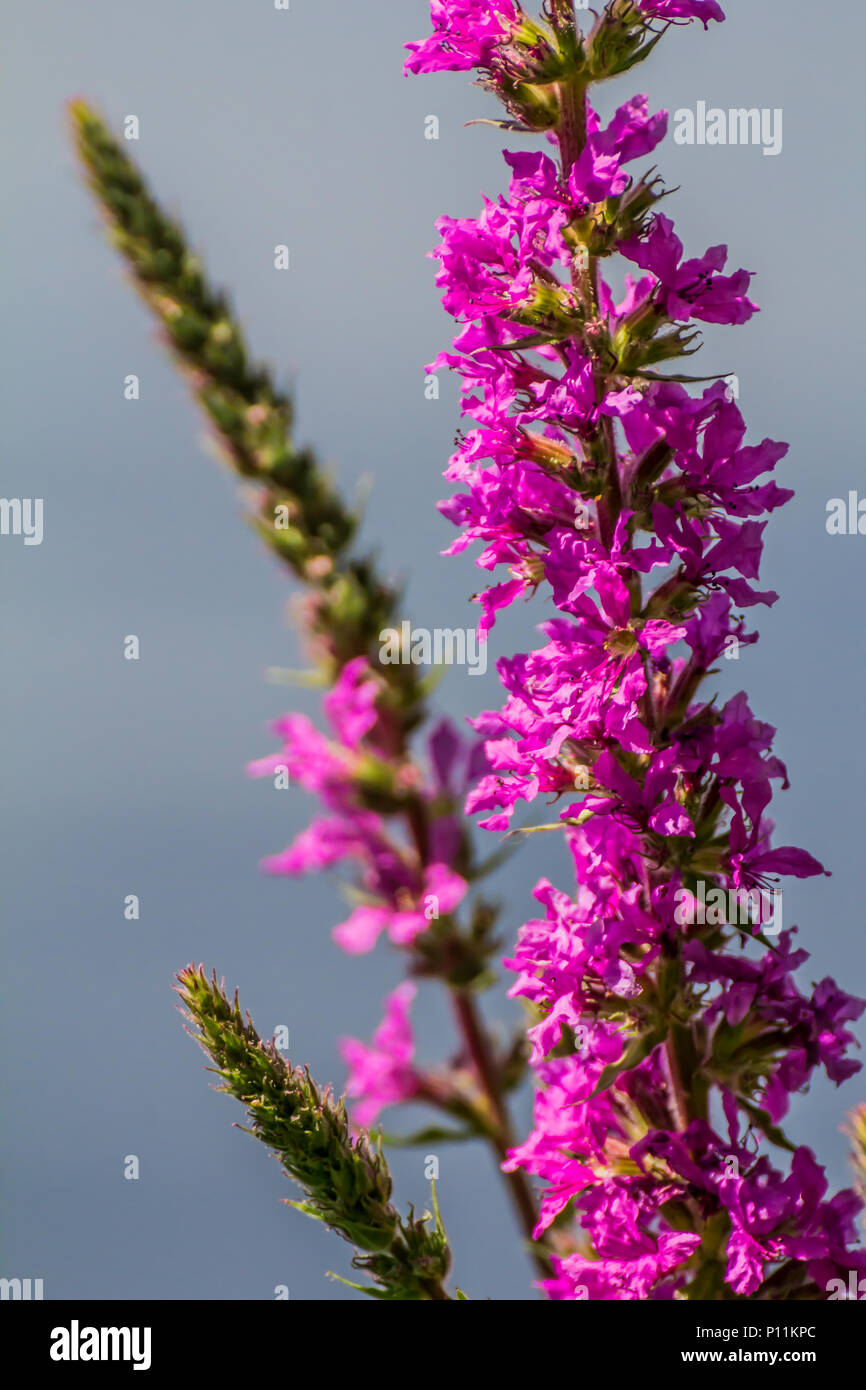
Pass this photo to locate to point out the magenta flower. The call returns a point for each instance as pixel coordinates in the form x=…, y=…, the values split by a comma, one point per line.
x=637, y=1275
x=351, y=703
x=704, y=10
x=467, y=34
x=382, y=1073
x=407, y=909
x=599, y=172
x=694, y=288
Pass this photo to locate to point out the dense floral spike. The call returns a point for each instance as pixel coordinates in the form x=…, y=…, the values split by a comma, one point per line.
x=392, y=817
x=670, y=1028
x=346, y=1182
x=298, y=511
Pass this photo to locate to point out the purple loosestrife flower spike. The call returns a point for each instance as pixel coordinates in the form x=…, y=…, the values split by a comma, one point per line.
x=665, y=1052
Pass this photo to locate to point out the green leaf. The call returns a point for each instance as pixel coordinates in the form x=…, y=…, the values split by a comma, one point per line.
x=553, y=825
x=517, y=126
x=433, y=1134
x=765, y=1125
x=636, y=1052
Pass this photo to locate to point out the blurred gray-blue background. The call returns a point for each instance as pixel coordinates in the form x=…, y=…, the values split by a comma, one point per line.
x=261, y=127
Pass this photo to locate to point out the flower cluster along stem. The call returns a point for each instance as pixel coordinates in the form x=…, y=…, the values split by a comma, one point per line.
x=572, y=137
x=670, y=1029
x=373, y=777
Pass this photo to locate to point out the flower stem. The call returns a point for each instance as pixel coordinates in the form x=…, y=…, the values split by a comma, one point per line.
x=475, y=1036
